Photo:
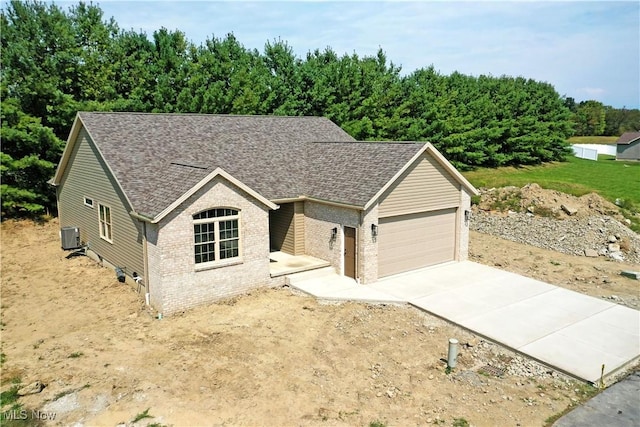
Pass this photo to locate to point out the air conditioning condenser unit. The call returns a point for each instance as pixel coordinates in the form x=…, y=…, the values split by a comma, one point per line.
x=70, y=237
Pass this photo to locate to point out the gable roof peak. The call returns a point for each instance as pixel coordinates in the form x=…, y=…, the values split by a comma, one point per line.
x=628, y=137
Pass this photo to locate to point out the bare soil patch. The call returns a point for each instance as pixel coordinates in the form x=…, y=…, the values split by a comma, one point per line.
x=268, y=358
x=598, y=277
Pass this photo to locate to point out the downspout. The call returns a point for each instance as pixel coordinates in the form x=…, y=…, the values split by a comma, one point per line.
x=147, y=296
x=360, y=246
x=144, y=220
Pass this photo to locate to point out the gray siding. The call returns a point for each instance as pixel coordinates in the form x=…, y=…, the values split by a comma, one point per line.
x=424, y=186
x=86, y=175
x=628, y=152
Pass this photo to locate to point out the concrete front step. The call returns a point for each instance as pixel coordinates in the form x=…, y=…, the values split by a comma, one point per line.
x=324, y=272
x=326, y=284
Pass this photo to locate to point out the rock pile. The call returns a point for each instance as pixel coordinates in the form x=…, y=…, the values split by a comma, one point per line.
x=588, y=225
x=595, y=235
x=508, y=361
x=543, y=202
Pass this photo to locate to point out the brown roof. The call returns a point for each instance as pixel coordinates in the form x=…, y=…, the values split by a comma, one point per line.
x=157, y=158
x=628, y=138
x=353, y=172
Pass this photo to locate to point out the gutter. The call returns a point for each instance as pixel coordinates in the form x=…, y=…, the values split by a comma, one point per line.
x=141, y=217
x=313, y=199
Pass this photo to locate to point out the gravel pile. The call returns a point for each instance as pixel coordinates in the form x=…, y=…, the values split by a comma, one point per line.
x=596, y=235
x=509, y=362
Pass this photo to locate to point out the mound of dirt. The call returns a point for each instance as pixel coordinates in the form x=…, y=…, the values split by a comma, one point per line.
x=542, y=202
x=586, y=226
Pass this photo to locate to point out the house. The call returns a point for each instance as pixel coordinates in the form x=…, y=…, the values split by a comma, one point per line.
x=628, y=146
x=202, y=206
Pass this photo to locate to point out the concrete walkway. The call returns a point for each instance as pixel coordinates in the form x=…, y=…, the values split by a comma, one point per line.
x=571, y=332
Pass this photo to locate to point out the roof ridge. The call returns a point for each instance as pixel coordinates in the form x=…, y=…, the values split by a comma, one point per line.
x=370, y=142
x=140, y=113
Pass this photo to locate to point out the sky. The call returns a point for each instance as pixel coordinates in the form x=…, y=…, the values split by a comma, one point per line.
x=586, y=50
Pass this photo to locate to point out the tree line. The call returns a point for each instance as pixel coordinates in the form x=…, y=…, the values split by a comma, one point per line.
x=57, y=62
x=593, y=118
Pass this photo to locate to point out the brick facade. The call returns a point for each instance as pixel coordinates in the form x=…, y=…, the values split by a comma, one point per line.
x=368, y=246
x=175, y=282
x=321, y=218
x=462, y=246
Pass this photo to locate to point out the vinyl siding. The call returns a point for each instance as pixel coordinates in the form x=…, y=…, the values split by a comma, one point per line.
x=628, y=152
x=286, y=228
x=298, y=224
x=424, y=186
x=281, y=228
x=86, y=175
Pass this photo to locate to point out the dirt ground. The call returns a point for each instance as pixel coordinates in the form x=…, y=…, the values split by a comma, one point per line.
x=598, y=277
x=272, y=357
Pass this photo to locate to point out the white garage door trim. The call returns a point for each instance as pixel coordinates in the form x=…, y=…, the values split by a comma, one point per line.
x=409, y=242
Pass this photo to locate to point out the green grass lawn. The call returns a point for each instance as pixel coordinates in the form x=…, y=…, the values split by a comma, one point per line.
x=607, y=177
x=609, y=140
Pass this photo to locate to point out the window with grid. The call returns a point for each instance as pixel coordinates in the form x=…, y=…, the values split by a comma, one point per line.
x=216, y=235
x=105, y=222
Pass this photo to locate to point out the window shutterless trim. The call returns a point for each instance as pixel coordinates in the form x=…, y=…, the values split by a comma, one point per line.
x=216, y=238
x=88, y=202
x=106, y=232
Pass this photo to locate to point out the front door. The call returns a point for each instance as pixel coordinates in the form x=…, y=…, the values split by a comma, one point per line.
x=350, y=252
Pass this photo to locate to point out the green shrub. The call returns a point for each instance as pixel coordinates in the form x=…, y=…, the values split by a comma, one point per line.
x=460, y=422
x=142, y=416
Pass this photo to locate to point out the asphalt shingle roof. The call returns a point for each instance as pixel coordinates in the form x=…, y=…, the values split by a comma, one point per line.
x=628, y=137
x=353, y=172
x=157, y=158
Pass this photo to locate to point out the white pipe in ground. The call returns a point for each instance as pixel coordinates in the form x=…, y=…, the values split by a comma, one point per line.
x=452, y=357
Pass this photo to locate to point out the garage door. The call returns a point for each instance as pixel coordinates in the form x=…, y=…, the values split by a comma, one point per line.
x=413, y=241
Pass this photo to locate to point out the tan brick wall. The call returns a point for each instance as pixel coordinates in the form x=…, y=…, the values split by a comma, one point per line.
x=368, y=247
x=463, y=227
x=175, y=284
x=320, y=219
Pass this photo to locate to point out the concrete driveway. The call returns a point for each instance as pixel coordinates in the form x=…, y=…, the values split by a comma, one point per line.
x=571, y=332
